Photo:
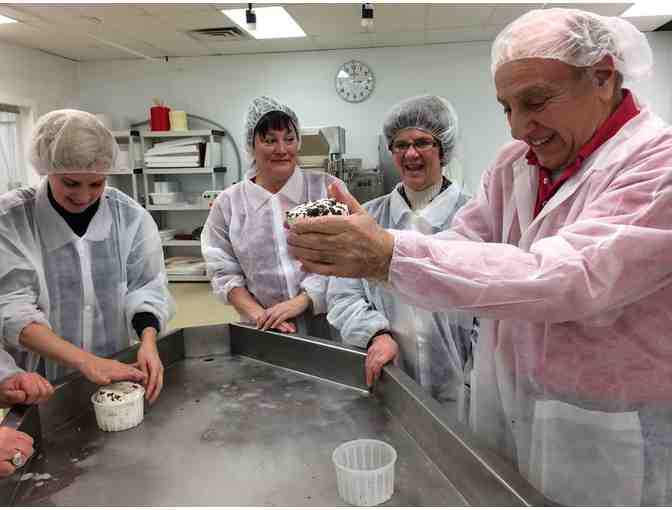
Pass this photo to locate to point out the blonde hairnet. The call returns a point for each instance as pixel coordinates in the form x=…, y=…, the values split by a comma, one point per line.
x=72, y=141
x=576, y=37
x=432, y=114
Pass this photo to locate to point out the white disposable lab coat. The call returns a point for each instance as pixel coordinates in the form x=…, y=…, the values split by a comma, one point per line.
x=434, y=348
x=86, y=289
x=245, y=245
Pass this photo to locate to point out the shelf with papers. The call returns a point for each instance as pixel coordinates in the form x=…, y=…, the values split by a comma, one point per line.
x=188, y=278
x=179, y=207
x=186, y=163
x=126, y=177
x=183, y=170
x=182, y=134
x=180, y=242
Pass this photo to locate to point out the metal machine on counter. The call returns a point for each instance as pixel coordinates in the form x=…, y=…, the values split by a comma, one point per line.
x=323, y=148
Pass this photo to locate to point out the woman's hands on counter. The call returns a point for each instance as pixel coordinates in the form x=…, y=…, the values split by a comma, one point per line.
x=383, y=350
x=105, y=371
x=150, y=364
x=24, y=388
x=277, y=316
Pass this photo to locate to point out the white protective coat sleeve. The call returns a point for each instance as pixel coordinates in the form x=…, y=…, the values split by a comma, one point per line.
x=146, y=276
x=351, y=313
x=20, y=283
x=8, y=366
x=616, y=253
x=316, y=288
x=222, y=267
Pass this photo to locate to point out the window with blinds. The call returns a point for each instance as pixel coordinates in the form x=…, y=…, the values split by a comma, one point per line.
x=10, y=173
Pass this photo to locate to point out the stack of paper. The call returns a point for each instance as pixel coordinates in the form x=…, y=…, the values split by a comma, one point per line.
x=184, y=152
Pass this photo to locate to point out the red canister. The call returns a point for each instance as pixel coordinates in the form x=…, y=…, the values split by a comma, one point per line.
x=159, y=118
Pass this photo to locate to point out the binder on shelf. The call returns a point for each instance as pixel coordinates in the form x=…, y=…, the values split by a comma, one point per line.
x=179, y=150
x=158, y=160
x=174, y=143
x=213, y=155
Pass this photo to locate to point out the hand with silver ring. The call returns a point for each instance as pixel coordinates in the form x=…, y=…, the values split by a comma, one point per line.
x=19, y=459
x=15, y=449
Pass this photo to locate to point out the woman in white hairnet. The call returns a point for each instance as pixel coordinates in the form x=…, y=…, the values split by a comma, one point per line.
x=433, y=348
x=565, y=256
x=244, y=241
x=82, y=268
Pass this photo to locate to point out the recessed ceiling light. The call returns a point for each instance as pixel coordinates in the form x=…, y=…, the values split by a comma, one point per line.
x=5, y=19
x=271, y=23
x=648, y=8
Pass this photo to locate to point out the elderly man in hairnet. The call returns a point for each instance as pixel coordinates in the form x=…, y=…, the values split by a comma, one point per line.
x=82, y=266
x=565, y=256
x=433, y=348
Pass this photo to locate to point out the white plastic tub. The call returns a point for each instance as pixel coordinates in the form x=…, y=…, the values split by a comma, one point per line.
x=365, y=471
x=166, y=187
x=123, y=415
x=166, y=198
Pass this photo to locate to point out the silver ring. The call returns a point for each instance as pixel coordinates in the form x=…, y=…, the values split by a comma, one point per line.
x=19, y=459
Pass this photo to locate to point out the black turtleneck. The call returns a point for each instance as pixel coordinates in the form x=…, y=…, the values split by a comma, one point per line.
x=79, y=223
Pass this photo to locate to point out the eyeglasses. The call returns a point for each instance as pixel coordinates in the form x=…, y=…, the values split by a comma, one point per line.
x=421, y=145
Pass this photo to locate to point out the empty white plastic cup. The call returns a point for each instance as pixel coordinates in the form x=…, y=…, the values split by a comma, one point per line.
x=365, y=471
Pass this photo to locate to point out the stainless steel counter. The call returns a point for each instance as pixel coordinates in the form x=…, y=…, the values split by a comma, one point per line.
x=252, y=418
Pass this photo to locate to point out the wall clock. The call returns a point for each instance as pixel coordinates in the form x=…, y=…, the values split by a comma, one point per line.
x=354, y=81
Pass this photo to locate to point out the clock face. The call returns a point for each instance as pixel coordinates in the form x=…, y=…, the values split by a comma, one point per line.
x=354, y=81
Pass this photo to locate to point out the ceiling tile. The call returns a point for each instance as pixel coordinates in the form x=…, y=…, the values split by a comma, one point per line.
x=328, y=42
x=399, y=38
x=605, y=9
x=448, y=16
x=464, y=34
x=313, y=18
x=649, y=23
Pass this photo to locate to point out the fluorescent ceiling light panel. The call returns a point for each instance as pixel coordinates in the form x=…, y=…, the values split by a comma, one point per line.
x=5, y=19
x=272, y=23
x=648, y=8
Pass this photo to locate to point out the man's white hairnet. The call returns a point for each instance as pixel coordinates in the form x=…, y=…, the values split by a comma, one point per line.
x=72, y=141
x=259, y=107
x=432, y=114
x=576, y=37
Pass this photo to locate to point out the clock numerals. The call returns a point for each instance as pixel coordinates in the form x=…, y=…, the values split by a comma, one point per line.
x=354, y=81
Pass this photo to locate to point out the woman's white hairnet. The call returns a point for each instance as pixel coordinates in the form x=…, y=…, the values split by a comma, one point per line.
x=576, y=37
x=432, y=114
x=259, y=107
x=72, y=141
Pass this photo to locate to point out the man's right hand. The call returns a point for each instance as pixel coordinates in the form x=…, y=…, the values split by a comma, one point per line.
x=383, y=349
x=105, y=371
x=24, y=388
x=13, y=442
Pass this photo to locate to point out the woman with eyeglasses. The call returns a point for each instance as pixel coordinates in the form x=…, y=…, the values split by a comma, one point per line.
x=243, y=241
x=433, y=348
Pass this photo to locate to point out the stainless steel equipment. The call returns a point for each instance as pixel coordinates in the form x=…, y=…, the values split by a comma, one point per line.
x=386, y=166
x=323, y=147
x=366, y=185
x=251, y=418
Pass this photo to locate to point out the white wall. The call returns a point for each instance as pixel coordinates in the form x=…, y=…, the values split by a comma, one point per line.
x=221, y=88
x=38, y=83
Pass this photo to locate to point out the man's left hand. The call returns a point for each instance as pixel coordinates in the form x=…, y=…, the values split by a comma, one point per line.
x=150, y=364
x=354, y=246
